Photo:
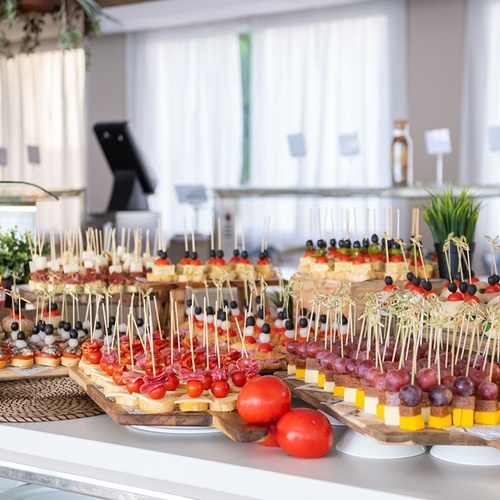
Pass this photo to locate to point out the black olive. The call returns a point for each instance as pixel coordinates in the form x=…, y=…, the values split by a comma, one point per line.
x=416, y=281
x=49, y=330
x=281, y=315
x=73, y=334
x=250, y=321
x=35, y=330
x=366, y=242
x=67, y=326
x=244, y=254
x=236, y=252
x=322, y=318
x=375, y=238
x=79, y=324
x=220, y=254
x=289, y=324
x=344, y=319
x=356, y=244
x=409, y=276
x=333, y=242
x=61, y=323
x=210, y=310
x=472, y=289
x=463, y=286
x=14, y=326
x=98, y=325
x=266, y=328
x=388, y=280
x=194, y=255
x=198, y=310
x=303, y=322
x=427, y=285
x=21, y=336
x=212, y=253
x=452, y=287
x=233, y=304
x=140, y=322
x=492, y=280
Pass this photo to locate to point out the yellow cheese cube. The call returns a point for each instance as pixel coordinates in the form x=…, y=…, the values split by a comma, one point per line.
x=338, y=391
x=487, y=417
x=380, y=411
x=360, y=399
x=440, y=422
x=412, y=423
x=300, y=373
x=463, y=417
x=321, y=380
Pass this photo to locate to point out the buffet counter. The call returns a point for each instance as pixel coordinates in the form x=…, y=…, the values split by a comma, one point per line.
x=96, y=456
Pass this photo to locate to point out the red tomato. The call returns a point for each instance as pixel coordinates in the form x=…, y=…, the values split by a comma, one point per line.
x=250, y=340
x=158, y=392
x=239, y=379
x=220, y=389
x=358, y=260
x=194, y=388
x=207, y=381
x=172, y=383
x=322, y=259
x=94, y=357
x=304, y=433
x=271, y=438
x=263, y=399
x=117, y=376
x=396, y=258
x=265, y=347
x=455, y=297
x=134, y=386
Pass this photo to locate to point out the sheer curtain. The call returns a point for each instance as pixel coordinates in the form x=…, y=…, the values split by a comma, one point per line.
x=185, y=106
x=324, y=74
x=42, y=102
x=481, y=109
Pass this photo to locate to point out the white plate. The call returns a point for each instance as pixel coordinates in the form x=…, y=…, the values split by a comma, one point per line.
x=355, y=444
x=184, y=430
x=467, y=455
x=8, y=483
x=34, y=492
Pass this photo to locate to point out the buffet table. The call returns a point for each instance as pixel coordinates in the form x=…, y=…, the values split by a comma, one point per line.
x=96, y=456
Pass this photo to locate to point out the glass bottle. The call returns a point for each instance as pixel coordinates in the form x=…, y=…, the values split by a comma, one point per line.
x=402, y=154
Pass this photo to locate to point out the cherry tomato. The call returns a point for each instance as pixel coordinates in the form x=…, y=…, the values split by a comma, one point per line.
x=250, y=340
x=109, y=368
x=158, y=392
x=271, y=439
x=94, y=357
x=134, y=386
x=207, y=381
x=172, y=383
x=194, y=388
x=117, y=376
x=304, y=433
x=358, y=260
x=265, y=347
x=239, y=379
x=220, y=388
x=322, y=259
x=263, y=399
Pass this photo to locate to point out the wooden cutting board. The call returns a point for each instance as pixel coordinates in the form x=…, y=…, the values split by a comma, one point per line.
x=230, y=423
x=36, y=371
x=370, y=426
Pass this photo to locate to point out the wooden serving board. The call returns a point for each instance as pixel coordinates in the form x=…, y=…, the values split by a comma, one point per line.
x=230, y=423
x=374, y=428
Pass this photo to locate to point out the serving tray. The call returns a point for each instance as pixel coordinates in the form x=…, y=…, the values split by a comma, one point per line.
x=230, y=423
x=370, y=426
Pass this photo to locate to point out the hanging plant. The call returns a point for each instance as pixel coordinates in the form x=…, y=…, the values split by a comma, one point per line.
x=78, y=20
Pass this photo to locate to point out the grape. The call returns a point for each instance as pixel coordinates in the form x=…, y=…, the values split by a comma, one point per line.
x=395, y=379
x=328, y=361
x=495, y=374
x=423, y=349
x=463, y=386
x=321, y=354
x=371, y=374
x=339, y=365
x=440, y=395
x=478, y=361
x=379, y=382
x=427, y=378
x=478, y=377
x=312, y=348
x=301, y=350
x=389, y=365
x=389, y=352
x=364, y=366
x=408, y=366
x=410, y=395
x=448, y=381
x=488, y=390
x=291, y=347
x=352, y=366
x=366, y=355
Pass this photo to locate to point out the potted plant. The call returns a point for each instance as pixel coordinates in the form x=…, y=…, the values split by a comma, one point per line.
x=76, y=19
x=15, y=255
x=447, y=213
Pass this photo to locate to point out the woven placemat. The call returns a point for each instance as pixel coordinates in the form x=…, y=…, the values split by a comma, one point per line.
x=44, y=400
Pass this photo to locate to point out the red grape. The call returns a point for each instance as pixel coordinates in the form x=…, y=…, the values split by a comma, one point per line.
x=371, y=374
x=364, y=366
x=339, y=365
x=495, y=374
x=488, y=390
x=312, y=348
x=427, y=378
x=463, y=386
x=322, y=353
x=410, y=395
x=328, y=360
x=291, y=347
x=352, y=366
x=440, y=395
x=395, y=379
x=447, y=381
x=478, y=377
x=379, y=382
x=389, y=365
x=301, y=350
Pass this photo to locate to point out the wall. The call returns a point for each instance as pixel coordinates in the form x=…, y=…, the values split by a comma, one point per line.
x=105, y=102
x=436, y=50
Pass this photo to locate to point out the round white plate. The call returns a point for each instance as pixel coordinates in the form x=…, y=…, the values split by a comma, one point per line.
x=34, y=492
x=184, y=430
x=355, y=444
x=467, y=455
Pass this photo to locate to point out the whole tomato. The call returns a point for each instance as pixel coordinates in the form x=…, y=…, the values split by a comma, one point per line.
x=270, y=440
x=304, y=433
x=263, y=399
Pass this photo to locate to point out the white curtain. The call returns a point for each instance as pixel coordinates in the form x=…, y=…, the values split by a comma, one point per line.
x=481, y=109
x=42, y=102
x=185, y=106
x=324, y=74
